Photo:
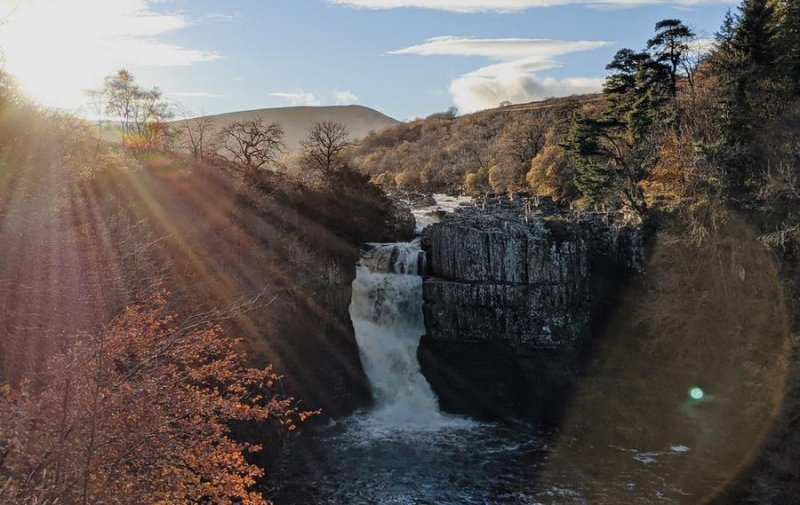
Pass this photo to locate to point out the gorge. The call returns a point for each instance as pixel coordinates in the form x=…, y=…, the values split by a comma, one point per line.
x=511, y=348
x=496, y=323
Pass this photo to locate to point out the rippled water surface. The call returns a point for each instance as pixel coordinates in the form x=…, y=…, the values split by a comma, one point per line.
x=362, y=460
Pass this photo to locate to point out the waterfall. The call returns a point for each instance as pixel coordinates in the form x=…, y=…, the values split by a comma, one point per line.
x=386, y=310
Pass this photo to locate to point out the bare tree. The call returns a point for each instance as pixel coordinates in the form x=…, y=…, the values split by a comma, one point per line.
x=323, y=149
x=691, y=59
x=252, y=144
x=196, y=134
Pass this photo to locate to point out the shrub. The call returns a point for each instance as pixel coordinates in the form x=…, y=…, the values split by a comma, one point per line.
x=140, y=414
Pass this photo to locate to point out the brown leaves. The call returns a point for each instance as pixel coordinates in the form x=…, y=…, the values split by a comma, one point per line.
x=139, y=414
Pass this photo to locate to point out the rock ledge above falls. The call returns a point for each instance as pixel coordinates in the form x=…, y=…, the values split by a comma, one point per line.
x=520, y=274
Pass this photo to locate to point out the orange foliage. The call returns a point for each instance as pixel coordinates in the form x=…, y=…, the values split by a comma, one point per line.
x=407, y=180
x=667, y=181
x=551, y=174
x=139, y=414
x=472, y=183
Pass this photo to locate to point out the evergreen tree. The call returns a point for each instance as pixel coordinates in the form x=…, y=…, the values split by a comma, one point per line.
x=607, y=168
x=746, y=65
x=612, y=152
x=726, y=32
x=624, y=67
x=754, y=34
x=669, y=46
x=636, y=89
x=788, y=14
x=593, y=176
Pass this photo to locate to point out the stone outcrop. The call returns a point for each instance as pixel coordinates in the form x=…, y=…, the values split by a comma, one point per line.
x=510, y=292
x=402, y=223
x=526, y=282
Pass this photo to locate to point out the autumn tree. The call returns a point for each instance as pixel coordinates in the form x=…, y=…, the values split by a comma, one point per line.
x=475, y=182
x=138, y=414
x=121, y=92
x=323, y=151
x=516, y=146
x=552, y=173
x=143, y=114
x=471, y=144
x=251, y=144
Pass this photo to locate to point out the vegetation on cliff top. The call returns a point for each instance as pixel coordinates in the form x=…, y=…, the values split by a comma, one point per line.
x=680, y=119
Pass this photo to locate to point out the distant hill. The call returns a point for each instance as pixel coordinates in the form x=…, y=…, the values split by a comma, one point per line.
x=297, y=121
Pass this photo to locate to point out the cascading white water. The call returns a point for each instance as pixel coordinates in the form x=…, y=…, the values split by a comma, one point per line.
x=405, y=451
x=386, y=310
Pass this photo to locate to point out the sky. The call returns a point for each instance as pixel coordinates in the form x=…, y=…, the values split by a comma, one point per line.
x=405, y=58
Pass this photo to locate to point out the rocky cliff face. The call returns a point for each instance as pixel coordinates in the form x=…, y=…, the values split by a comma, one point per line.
x=509, y=293
x=525, y=282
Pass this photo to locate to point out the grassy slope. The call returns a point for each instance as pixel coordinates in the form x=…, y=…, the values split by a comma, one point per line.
x=297, y=121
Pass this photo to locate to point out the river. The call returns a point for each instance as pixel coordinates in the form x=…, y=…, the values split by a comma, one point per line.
x=404, y=450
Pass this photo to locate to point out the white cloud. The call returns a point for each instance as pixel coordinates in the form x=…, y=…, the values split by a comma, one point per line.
x=498, y=49
x=298, y=97
x=193, y=94
x=701, y=47
x=510, y=5
x=473, y=92
x=512, y=77
x=58, y=49
x=344, y=97
x=221, y=16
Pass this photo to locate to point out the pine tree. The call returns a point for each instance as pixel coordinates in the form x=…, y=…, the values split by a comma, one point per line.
x=607, y=168
x=726, y=32
x=636, y=90
x=788, y=14
x=593, y=176
x=669, y=46
x=746, y=64
x=754, y=34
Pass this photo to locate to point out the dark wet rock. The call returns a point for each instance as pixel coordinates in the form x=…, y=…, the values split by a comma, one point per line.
x=402, y=221
x=510, y=293
x=523, y=281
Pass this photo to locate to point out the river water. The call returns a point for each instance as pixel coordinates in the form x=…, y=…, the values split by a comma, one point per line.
x=404, y=450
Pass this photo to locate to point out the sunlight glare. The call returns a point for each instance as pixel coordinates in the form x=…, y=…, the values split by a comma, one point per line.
x=58, y=50
x=50, y=49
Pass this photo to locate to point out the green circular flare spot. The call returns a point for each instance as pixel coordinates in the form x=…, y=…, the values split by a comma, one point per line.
x=696, y=393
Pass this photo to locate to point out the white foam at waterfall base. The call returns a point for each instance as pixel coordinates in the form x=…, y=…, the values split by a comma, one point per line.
x=386, y=310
